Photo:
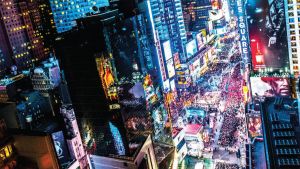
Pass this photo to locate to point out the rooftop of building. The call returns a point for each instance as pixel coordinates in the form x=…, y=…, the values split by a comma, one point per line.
x=162, y=151
x=10, y=79
x=176, y=131
x=281, y=132
x=193, y=129
x=45, y=128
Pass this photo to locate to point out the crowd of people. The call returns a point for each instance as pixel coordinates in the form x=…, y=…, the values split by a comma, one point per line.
x=232, y=94
x=228, y=129
x=220, y=165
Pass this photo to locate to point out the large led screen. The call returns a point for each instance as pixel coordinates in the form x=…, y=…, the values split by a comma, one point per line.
x=270, y=86
x=167, y=50
x=132, y=95
x=267, y=33
x=191, y=48
x=200, y=40
x=170, y=68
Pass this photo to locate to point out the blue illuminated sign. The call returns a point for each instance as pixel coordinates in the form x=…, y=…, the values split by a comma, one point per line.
x=242, y=25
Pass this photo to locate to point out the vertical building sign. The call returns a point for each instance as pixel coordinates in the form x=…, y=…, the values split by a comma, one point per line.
x=267, y=34
x=244, y=42
x=60, y=147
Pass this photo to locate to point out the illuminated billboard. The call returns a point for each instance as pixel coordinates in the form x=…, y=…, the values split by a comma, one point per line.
x=254, y=126
x=176, y=60
x=150, y=94
x=191, y=48
x=167, y=50
x=132, y=95
x=172, y=85
x=60, y=147
x=166, y=85
x=195, y=66
x=270, y=86
x=170, y=68
x=267, y=34
x=200, y=41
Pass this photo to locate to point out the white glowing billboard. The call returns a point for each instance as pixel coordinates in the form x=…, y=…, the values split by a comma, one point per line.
x=167, y=50
x=191, y=48
x=170, y=68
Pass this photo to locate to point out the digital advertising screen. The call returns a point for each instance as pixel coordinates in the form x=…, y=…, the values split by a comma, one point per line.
x=60, y=147
x=170, y=68
x=195, y=66
x=267, y=34
x=200, y=40
x=172, y=85
x=132, y=95
x=150, y=94
x=191, y=48
x=167, y=50
x=270, y=86
x=254, y=126
x=176, y=60
x=166, y=85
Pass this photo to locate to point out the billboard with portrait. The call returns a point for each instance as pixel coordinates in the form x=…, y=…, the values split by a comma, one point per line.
x=254, y=126
x=270, y=86
x=167, y=50
x=60, y=147
x=267, y=34
x=200, y=40
x=191, y=48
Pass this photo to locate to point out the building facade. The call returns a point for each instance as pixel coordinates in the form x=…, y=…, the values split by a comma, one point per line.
x=23, y=32
x=196, y=15
x=66, y=12
x=292, y=13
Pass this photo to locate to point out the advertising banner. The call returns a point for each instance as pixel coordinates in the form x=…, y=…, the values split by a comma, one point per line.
x=60, y=147
x=270, y=86
x=167, y=50
x=170, y=68
x=267, y=34
x=176, y=60
x=254, y=126
x=191, y=48
x=201, y=39
x=131, y=95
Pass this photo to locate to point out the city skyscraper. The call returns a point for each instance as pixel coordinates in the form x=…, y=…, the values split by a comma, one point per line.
x=26, y=33
x=168, y=23
x=292, y=13
x=66, y=12
x=196, y=14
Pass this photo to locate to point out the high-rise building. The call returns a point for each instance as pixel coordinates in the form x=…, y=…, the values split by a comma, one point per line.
x=109, y=90
x=292, y=13
x=196, y=14
x=281, y=141
x=66, y=12
x=24, y=28
x=168, y=23
x=73, y=137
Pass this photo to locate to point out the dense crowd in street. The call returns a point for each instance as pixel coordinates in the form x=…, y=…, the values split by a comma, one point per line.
x=220, y=86
x=227, y=135
x=220, y=165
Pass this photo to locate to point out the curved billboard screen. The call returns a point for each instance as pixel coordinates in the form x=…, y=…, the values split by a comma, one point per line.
x=270, y=86
x=267, y=34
